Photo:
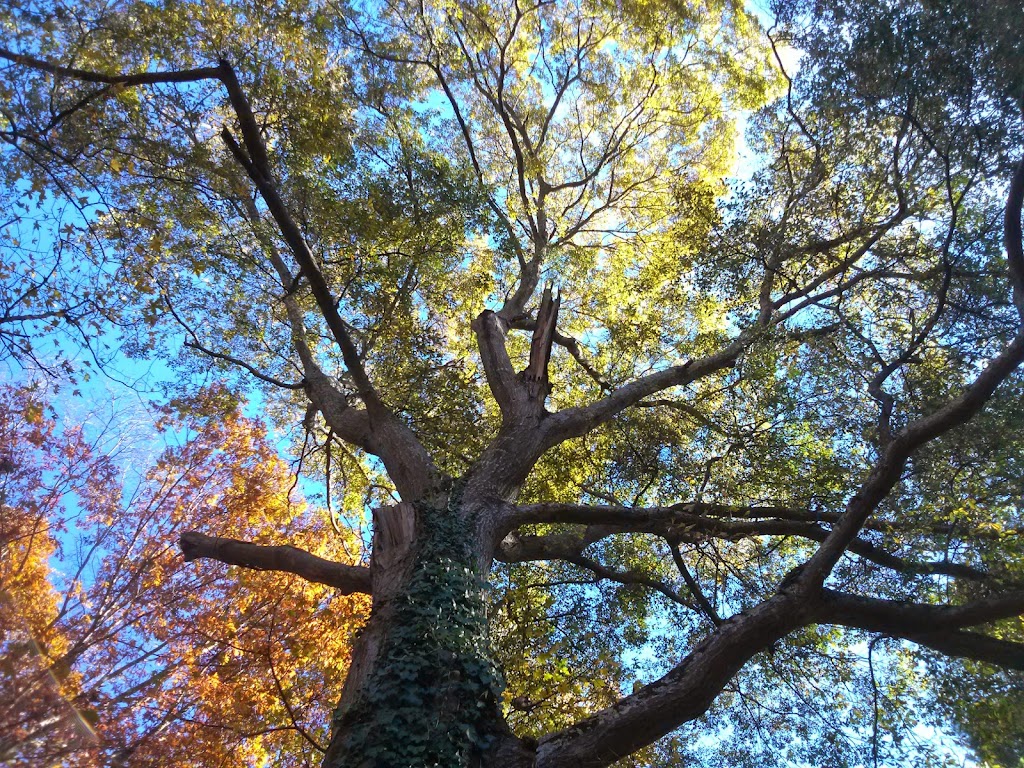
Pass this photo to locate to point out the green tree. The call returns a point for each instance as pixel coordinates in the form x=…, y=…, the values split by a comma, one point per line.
x=669, y=502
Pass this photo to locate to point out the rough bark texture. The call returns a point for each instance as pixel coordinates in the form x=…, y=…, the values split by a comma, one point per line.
x=423, y=689
x=393, y=536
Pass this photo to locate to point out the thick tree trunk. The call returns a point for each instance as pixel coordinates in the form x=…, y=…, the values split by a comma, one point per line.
x=423, y=688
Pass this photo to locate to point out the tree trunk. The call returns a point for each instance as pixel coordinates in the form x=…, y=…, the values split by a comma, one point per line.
x=423, y=688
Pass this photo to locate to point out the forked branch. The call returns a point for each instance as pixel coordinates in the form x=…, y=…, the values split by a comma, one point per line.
x=519, y=396
x=688, y=690
x=889, y=468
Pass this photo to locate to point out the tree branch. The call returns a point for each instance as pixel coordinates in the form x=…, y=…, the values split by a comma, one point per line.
x=576, y=422
x=628, y=578
x=345, y=578
x=350, y=424
x=694, y=587
x=692, y=522
x=196, y=345
x=972, y=645
x=688, y=690
x=891, y=615
x=682, y=695
x=505, y=386
x=1012, y=238
x=936, y=626
x=256, y=166
x=889, y=468
x=617, y=513
x=569, y=548
x=536, y=373
x=141, y=78
x=571, y=345
x=407, y=461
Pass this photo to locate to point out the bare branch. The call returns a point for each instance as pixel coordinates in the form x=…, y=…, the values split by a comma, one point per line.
x=141, y=78
x=611, y=514
x=575, y=422
x=346, y=578
x=242, y=364
x=628, y=578
x=195, y=344
x=569, y=548
x=695, y=590
x=33, y=316
x=694, y=521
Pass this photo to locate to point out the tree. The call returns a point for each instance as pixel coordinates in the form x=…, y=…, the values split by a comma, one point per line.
x=115, y=651
x=35, y=720
x=757, y=424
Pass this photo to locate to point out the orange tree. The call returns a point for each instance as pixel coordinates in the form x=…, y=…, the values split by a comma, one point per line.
x=735, y=490
x=115, y=651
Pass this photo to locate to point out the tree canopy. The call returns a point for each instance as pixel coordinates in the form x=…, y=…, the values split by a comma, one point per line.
x=657, y=363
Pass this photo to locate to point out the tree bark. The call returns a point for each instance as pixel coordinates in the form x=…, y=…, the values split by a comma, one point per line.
x=423, y=688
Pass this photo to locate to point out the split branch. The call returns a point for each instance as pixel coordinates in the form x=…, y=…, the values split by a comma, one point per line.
x=518, y=396
x=568, y=343
x=536, y=373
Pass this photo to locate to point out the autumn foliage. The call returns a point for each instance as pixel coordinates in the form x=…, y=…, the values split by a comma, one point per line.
x=116, y=651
